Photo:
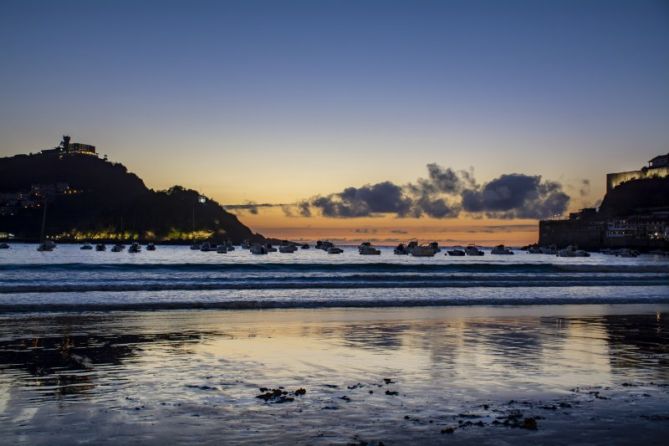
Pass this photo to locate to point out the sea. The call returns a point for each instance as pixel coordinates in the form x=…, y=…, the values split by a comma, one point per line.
x=177, y=277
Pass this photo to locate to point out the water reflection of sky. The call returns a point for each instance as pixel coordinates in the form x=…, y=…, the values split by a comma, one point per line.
x=171, y=365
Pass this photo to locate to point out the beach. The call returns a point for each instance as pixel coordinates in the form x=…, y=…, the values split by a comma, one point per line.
x=531, y=374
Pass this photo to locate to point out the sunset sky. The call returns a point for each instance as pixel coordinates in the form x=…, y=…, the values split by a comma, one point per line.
x=292, y=102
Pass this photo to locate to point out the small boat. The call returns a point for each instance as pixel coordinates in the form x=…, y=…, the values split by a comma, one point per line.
x=287, y=249
x=401, y=250
x=258, y=249
x=195, y=246
x=551, y=250
x=534, y=250
x=150, y=247
x=324, y=245
x=435, y=247
x=305, y=246
x=571, y=251
x=334, y=250
x=134, y=248
x=457, y=251
x=4, y=246
x=230, y=247
x=86, y=247
x=501, y=250
x=222, y=248
x=472, y=250
x=117, y=248
x=270, y=248
x=422, y=251
x=246, y=244
x=206, y=247
x=100, y=247
x=366, y=249
x=47, y=246
x=627, y=253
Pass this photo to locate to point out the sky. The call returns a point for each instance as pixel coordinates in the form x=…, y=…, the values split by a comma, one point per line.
x=337, y=109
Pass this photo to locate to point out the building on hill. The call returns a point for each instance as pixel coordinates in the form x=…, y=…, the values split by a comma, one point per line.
x=657, y=167
x=66, y=147
x=632, y=215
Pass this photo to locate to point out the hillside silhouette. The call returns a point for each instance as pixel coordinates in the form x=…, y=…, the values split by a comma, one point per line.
x=104, y=198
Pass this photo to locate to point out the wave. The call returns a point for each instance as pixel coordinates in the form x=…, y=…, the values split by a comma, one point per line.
x=337, y=267
x=328, y=284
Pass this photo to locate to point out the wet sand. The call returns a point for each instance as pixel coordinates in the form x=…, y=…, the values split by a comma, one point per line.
x=581, y=374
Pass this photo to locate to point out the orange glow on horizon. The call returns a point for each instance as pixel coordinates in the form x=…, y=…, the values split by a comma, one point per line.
x=388, y=229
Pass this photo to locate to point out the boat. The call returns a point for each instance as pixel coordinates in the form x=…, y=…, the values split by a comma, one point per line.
x=571, y=251
x=472, y=250
x=401, y=250
x=100, y=247
x=150, y=247
x=206, y=247
x=534, y=250
x=551, y=250
x=270, y=248
x=334, y=250
x=305, y=246
x=457, y=251
x=134, y=248
x=46, y=246
x=195, y=246
x=287, y=249
x=258, y=249
x=627, y=253
x=246, y=244
x=118, y=248
x=4, y=246
x=422, y=251
x=86, y=247
x=222, y=248
x=366, y=249
x=501, y=250
x=230, y=247
x=435, y=247
x=324, y=245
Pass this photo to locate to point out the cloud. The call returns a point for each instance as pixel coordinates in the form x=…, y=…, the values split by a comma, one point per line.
x=365, y=231
x=366, y=201
x=516, y=196
x=585, y=188
x=443, y=193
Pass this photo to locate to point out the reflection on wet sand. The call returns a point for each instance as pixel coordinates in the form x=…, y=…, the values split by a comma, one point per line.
x=373, y=375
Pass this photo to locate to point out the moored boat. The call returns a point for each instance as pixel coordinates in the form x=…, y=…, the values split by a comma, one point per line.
x=501, y=250
x=46, y=246
x=472, y=250
x=366, y=249
x=258, y=249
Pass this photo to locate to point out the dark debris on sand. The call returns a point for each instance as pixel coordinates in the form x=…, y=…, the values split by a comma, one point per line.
x=279, y=395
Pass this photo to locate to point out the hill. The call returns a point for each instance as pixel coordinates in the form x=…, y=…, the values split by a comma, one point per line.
x=636, y=197
x=91, y=198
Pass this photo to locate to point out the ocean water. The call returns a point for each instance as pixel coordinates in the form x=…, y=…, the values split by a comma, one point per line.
x=178, y=277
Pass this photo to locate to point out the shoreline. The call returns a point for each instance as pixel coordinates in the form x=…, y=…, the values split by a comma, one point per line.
x=251, y=306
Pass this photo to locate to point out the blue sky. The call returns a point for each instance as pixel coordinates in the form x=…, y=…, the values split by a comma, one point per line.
x=278, y=101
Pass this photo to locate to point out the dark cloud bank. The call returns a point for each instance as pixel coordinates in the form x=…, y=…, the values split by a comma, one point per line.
x=445, y=193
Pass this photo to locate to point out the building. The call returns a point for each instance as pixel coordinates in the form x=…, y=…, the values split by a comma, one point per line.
x=71, y=148
x=657, y=167
x=630, y=221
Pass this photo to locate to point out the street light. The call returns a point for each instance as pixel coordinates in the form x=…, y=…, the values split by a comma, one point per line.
x=201, y=199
